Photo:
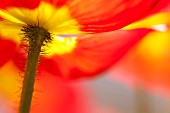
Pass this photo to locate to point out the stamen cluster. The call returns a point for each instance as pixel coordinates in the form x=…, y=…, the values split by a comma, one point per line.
x=33, y=33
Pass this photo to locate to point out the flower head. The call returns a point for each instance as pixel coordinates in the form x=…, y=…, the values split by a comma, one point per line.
x=75, y=49
x=79, y=38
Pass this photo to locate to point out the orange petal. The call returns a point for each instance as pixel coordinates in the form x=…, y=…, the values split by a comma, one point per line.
x=58, y=96
x=93, y=54
x=101, y=16
x=10, y=84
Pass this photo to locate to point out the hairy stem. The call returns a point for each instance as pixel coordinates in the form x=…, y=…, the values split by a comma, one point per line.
x=35, y=43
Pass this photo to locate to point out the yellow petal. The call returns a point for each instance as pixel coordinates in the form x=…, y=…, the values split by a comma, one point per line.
x=10, y=82
x=149, y=22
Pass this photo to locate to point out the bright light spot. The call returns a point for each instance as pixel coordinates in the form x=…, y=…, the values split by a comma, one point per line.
x=160, y=27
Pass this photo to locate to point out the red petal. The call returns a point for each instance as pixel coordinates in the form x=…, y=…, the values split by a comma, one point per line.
x=7, y=50
x=162, y=5
x=57, y=3
x=70, y=97
x=19, y=3
x=101, y=16
x=65, y=96
x=94, y=54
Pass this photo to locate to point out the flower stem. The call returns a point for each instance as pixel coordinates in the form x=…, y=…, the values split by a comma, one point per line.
x=35, y=44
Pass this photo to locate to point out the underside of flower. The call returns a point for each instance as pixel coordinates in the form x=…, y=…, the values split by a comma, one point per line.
x=65, y=30
x=37, y=37
x=54, y=24
x=33, y=33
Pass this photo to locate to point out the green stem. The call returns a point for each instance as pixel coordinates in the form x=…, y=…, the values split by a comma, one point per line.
x=30, y=73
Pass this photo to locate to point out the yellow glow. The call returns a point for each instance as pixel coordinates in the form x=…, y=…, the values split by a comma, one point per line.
x=154, y=45
x=60, y=46
x=11, y=34
x=157, y=19
x=9, y=84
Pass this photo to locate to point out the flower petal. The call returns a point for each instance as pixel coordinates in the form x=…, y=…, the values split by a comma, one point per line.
x=19, y=3
x=66, y=96
x=148, y=63
x=162, y=5
x=93, y=54
x=157, y=19
x=9, y=76
x=7, y=50
x=57, y=3
x=101, y=16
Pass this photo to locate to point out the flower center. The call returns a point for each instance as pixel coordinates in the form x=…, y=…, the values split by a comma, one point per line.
x=54, y=23
x=32, y=32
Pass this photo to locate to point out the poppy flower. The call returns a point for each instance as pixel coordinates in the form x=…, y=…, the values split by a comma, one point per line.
x=85, y=39
x=147, y=64
x=84, y=42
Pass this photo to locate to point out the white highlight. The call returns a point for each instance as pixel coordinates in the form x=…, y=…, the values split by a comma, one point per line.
x=160, y=27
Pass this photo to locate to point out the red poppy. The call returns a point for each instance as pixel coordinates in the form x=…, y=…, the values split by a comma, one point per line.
x=86, y=39
x=74, y=52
